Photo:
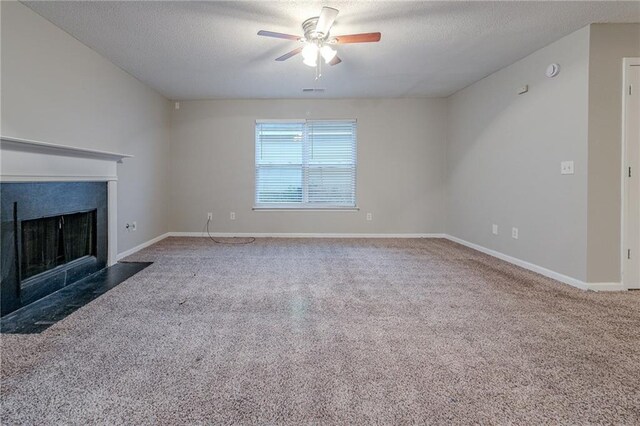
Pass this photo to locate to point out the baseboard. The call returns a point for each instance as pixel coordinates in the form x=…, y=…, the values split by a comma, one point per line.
x=141, y=246
x=606, y=286
x=539, y=269
x=300, y=235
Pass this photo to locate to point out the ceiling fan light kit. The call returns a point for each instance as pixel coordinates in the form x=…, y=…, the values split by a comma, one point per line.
x=312, y=62
x=311, y=51
x=327, y=53
x=310, y=54
x=317, y=40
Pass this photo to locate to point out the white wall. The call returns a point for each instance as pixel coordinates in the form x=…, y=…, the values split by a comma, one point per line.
x=55, y=89
x=400, y=177
x=504, y=153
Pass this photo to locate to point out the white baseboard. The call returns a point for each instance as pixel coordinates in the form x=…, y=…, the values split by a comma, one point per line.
x=606, y=286
x=539, y=269
x=141, y=246
x=300, y=235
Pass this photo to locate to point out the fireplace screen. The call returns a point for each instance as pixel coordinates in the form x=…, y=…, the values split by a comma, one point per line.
x=53, y=241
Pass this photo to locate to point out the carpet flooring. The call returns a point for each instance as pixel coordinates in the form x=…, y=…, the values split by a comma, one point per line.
x=330, y=331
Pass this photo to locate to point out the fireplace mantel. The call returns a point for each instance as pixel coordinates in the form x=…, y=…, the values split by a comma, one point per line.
x=70, y=151
x=24, y=160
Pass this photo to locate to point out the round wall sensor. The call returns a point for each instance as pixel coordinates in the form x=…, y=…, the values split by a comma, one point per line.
x=553, y=70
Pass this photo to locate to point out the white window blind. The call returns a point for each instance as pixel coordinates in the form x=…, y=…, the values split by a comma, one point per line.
x=306, y=164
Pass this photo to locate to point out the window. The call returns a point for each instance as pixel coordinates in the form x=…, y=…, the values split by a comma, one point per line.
x=306, y=164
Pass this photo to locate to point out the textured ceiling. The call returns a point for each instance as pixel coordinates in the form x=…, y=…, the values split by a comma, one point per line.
x=203, y=50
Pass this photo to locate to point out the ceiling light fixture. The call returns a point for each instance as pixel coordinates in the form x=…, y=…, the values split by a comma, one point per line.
x=310, y=54
x=327, y=53
x=312, y=62
x=311, y=50
x=317, y=40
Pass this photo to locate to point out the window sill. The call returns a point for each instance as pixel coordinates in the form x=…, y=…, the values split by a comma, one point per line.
x=306, y=209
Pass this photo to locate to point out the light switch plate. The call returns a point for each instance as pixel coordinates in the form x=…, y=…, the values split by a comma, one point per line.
x=566, y=167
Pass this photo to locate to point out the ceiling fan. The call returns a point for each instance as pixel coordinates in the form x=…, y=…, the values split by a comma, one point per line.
x=317, y=40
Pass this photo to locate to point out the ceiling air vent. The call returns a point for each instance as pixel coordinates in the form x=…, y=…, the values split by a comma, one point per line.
x=312, y=90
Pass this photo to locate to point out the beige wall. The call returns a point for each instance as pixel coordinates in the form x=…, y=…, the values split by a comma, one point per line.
x=55, y=89
x=400, y=177
x=504, y=152
x=609, y=44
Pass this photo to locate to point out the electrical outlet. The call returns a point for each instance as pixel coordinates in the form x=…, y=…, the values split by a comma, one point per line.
x=514, y=233
x=232, y=215
x=209, y=216
x=494, y=229
x=566, y=167
x=369, y=216
x=134, y=226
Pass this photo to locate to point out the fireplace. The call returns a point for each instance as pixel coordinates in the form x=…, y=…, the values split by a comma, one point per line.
x=53, y=234
x=53, y=241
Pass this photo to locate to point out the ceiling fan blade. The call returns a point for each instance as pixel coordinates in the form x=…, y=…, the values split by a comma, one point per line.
x=325, y=21
x=335, y=61
x=286, y=56
x=358, y=38
x=278, y=35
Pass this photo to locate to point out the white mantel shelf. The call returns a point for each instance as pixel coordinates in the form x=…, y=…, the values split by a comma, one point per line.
x=18, y=144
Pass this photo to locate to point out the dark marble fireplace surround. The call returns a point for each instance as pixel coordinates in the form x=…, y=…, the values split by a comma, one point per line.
x=20, y=204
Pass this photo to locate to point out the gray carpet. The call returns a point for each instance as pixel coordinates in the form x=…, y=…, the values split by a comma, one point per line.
x=299, y=331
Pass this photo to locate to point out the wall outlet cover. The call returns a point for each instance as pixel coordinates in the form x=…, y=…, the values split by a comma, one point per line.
x=494, y=229
x=514, y=233
x=566, y=168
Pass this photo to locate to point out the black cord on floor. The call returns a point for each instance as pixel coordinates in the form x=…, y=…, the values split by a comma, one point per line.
x=234, y=240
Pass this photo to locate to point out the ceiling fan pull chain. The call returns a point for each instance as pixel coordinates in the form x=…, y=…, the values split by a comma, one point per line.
x=318, y=67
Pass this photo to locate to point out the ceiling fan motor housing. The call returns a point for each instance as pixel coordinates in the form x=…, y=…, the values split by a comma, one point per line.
x=310, y=33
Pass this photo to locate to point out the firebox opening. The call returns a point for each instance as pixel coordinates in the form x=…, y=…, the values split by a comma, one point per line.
x=49, y=242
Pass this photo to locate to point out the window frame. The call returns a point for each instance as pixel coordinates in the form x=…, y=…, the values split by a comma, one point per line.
x=305, y=206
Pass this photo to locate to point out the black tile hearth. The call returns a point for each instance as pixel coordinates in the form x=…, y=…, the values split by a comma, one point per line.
x=40, y=315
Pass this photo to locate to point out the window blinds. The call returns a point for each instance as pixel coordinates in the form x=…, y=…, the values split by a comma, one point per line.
x=304, y=164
